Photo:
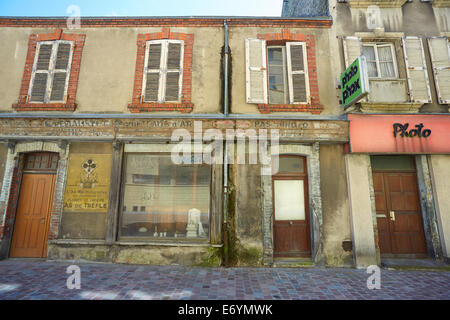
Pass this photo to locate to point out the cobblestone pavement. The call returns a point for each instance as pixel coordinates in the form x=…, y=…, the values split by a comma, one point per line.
x=37, y=279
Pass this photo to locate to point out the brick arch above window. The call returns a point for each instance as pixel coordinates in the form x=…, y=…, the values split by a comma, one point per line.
x=138, y=104
x=280, y=39
x=23, y=103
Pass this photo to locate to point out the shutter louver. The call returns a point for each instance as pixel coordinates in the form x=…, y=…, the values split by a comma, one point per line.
x=440, y=57
x=63, y=56
x=154, y=57
x=152, y=87
x=172, y=87
x=416, y=69
x=58, y=86
x=45, y=53
x=352, y=49
x=39, y=87
x=297, y=72
x=173, y=59
x=256, y=73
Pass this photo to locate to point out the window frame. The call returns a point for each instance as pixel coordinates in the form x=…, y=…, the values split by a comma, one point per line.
x=375, y=46
x=51, y=71
x=163, y=70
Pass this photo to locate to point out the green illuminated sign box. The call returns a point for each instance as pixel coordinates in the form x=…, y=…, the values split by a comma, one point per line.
x=354, y=82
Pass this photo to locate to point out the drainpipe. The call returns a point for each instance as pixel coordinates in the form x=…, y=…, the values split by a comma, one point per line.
x=225, y=153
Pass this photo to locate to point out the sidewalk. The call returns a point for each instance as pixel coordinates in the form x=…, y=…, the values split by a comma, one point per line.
x=38, y=279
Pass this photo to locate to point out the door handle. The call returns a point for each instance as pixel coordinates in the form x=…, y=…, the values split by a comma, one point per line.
x=291, y=223
x=392, y=215
x=43, y=220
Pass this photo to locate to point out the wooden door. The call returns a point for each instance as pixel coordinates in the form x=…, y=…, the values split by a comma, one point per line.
x=399, y=218
x=291, y=231
x=31, y=225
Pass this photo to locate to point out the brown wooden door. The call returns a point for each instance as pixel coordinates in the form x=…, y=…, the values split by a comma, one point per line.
x=32, y=217
x=291, y=230
x=399, y=219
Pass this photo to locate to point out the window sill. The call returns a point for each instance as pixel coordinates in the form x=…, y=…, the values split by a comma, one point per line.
x=132, y=243
x=268, y=108
x=45, y=107
x=382, y=107
x=184, y=107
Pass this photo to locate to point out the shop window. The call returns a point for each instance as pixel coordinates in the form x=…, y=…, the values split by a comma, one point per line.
x=380, y=60
x=162, y=200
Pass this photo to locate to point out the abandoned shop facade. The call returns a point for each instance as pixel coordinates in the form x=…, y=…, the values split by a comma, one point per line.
x=397, y=159
x=87, y=121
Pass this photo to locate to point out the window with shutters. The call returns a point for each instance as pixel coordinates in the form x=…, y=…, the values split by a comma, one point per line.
x=397, y=70
x=281, y=74
x=163, y=72
x=50, y=72
x=381, y=60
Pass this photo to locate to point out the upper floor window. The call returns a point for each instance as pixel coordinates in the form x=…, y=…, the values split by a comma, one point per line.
x=381, y=60
x=277, y=74
x=50, y=73
x=163, y=71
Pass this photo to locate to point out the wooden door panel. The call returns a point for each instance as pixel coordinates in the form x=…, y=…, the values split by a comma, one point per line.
x=31, y=223
x=405, y=234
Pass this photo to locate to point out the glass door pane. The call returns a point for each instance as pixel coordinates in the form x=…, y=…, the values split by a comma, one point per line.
x=289, y=200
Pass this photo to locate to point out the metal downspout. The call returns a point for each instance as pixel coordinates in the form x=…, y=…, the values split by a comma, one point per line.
x=225, y=153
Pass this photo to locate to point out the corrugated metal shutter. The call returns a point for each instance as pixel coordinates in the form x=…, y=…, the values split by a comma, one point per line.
x=256, y=75
x=297, y=72
x=352, y=49
x=440, y=57
x=416, y=69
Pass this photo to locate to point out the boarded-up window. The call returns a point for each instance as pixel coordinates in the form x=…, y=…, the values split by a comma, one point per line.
x=285, y=79
x=440, y=57
x=416, y=70
x=163, y=71
x=51, y=71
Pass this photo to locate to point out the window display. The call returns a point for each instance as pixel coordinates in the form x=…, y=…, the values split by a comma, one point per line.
x=164, y=200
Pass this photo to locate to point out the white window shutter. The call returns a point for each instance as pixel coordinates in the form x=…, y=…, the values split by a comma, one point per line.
x=440, y=57
x=297, y=63
x=352, y=49
x=416, y=70
x=256, y=66
x=61, y=71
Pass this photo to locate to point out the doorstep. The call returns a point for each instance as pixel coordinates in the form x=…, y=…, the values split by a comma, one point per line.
x=414, y=264
x=293, y=263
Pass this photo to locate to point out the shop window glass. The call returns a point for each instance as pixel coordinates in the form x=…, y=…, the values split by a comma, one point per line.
x=162, y=200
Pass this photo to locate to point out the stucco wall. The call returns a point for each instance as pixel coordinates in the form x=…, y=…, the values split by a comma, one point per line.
x=440, y=165
x=108, y=67
x=361, y=220
x=336, y=218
